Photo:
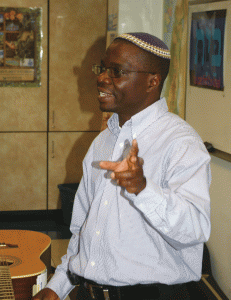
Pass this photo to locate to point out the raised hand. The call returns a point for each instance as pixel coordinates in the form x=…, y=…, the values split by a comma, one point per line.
x=129, y=172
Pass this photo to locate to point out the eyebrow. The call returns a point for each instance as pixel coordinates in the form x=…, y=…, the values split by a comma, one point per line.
x=112, y=64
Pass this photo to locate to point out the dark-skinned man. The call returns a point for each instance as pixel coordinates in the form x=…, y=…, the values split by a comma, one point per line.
x=142, y=210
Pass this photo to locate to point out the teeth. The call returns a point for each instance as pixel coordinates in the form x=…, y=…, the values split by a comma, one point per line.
x=103, y=94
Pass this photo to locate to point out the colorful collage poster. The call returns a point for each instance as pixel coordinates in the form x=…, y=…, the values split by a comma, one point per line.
x=207, y=49
x=20, y=47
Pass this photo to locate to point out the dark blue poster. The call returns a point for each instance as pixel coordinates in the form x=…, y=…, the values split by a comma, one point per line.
x=207, y=49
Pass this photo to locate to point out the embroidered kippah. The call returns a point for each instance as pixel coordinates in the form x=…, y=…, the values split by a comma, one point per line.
x=147, y=42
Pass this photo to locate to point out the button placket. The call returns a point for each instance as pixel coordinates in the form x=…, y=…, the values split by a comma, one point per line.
x=104, y=208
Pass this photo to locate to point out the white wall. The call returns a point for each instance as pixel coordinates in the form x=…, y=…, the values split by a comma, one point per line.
x=141, y=15
x=219, y=244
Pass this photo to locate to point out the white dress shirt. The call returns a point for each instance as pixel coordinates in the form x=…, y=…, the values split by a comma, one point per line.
x=155, y=237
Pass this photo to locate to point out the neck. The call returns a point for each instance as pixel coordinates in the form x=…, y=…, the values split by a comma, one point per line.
x=123, y=120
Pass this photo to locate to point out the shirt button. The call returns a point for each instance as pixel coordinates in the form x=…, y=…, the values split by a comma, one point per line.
x=121, y=145
x=92, y=263
x=106, y=203
x=98, y=232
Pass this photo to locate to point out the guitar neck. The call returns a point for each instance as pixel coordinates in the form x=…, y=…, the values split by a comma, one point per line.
x=6, y=287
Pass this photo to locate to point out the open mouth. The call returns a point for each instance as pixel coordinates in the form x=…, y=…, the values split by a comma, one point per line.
x=104, y=94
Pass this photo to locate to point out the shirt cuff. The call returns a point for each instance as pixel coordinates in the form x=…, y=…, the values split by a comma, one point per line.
x=152, y=203
x=60, y=284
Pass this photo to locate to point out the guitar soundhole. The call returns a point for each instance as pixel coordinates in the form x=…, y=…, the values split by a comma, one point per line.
x=11, y=261
x=6, y=263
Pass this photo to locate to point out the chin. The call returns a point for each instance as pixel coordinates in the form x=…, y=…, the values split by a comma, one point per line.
x=107, y=109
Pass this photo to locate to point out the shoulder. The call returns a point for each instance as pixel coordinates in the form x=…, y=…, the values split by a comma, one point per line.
x=183, y=142
x=100, y=141
x=172, y=134
x=179, y=128
x=101, y=137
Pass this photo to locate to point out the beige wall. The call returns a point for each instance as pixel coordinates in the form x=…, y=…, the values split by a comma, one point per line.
x=141, y=15
x=203, y=107
x=219, y=243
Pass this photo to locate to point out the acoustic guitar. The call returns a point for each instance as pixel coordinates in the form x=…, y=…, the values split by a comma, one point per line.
x=24, y=255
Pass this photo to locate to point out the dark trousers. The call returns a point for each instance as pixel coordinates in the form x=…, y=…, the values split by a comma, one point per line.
x=138, y=292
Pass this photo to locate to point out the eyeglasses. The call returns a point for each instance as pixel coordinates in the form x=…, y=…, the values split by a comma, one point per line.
x=113, y=72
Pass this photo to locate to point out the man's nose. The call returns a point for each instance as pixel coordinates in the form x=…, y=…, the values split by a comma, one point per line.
x=104, y=77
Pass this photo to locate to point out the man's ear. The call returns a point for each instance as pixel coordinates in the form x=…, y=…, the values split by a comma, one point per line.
x=154, y=81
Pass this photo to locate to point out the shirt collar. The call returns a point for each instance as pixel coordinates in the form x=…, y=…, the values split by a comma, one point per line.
x=141, y=120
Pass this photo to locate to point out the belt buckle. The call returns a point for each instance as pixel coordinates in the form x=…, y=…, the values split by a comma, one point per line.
x=106, y=294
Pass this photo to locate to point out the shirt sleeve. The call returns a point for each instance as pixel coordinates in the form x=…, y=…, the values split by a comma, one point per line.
x=60, y=282
x=179, y=208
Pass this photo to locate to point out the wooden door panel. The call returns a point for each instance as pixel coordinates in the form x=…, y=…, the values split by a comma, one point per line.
x=66, y=153
x=23, y=171
x=77, y=40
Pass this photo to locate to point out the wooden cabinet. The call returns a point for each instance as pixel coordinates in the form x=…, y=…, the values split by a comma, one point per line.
x=66, y=153
x=23, y=172
x=46, y=131
x=77, y=40
x=25, y=109
x=23, y=135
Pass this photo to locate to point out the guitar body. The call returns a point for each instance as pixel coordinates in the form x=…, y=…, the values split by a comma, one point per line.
x=23, y=287
x=30, y=258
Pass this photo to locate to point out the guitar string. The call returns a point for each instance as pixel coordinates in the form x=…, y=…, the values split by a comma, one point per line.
x=7, y=290
x=6, y=273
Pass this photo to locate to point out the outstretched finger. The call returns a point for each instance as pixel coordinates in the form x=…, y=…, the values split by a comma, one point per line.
x=134, y=149
x=108, y=165
x=114, y=166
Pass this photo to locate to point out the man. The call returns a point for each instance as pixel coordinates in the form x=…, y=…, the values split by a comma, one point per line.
x=141, y=213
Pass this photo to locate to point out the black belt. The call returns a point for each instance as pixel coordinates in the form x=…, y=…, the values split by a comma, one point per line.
x=108, y=292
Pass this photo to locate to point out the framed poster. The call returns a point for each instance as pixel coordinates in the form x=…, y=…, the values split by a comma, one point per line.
x=208, y=105
x=20, y=47
x=207, y=49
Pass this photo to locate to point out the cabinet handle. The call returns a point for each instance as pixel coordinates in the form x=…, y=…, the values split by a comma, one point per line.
x=53, y=150
x=53, y=119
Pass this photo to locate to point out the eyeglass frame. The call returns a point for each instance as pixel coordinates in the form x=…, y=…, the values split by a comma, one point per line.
x=122, y=72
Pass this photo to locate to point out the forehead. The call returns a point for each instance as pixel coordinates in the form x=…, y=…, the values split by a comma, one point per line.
x=124, y=53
